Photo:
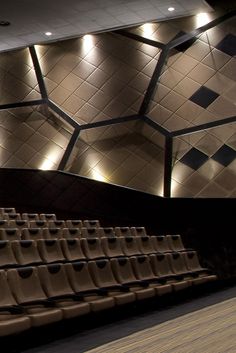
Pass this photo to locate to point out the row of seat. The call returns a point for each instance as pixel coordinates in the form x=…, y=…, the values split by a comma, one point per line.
x=30, y=252
x=36, y=296
x=90, y=247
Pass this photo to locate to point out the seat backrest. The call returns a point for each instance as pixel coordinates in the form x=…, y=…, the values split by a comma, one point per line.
x=192, y=261
x=123, y=270
x=50, y=250
x=101, y=273
x=142, y=267
x=138, y=231
x=74, y=223
x=177, y=263
x=7, y=210
x=18, y=223
x=92, y=248
x=32, y=233
x=91, y=223
x=71, y=233
x=160, y=243
x=107, y=232
x=30, y=216
x=26, y=252
x=11, y=215
x=10, y=234
x=6, y=296
x=175, y=242
x=56, y=224
x=145, y=245
x=47, y=216
x=38, y=224
x=90, y=232
x=129, y=246
x=112, y=247
x=161, y=265
x=4, y=223
x=7, y=257
x=79, y=277
x=123, y=232
x=54, y=280
x=52, y=233
x=25, y=284
x=72, y=250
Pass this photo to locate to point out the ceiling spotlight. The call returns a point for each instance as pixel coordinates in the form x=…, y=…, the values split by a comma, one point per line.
x=48, y=34
x=5, y=23
x=171, y=9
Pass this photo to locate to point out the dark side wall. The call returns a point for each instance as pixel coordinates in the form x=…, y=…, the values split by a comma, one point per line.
x=206, y=225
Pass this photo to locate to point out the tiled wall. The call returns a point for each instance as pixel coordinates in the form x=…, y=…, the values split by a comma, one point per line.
x=105, y=76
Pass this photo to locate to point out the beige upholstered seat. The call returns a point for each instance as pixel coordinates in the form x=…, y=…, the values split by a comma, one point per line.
x=18, y=223
x=26, y=252
x=7, y=257
x=138, y=231
x=47, y=216
x=52, y=233
x=112, y=247
x=50, y=251
x=12, y=318
x=91, y=223
x=30, y=216
x=72, y=250
x=160, y=243
x=38, y=224
x=104, y=278
x=56, y=285
x=71, y=233
x=56, y=224
x=92, y=248
x=130, y=246
x=10, y=234
x=32, y=233
x=124, y=274
x=145, y=245
x=82, y=283
x=74, y=223
x=90, y=232
x=192, y=264
x=175, y=242
x=108, y=232
x=27, y=290
x=123, y=232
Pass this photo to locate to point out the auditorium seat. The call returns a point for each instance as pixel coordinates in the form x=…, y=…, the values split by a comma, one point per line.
x=92, y=248
x=124, y=275
x=143, y=271
x=71, y=233
x=72, y=250
x=104, y=278
x=10, y=215
x=192, y=264
x=123, y=232
x=90, y=232
x=162, y=269
x=56, y=224
x=52, y=233
x=38, y=224
x=145, y=244
x=26, y=288
x=4, y=223
x=175, y=242
x=18, y=223
x=50, y=251
x=10, y=234
x=112, y=247
x=7, y=257
x=30, y=216
x=91, y=223
x=138, y=231
x=129, y=246
x=83, y=285
x=56, y=285
x=160, y=243
x=107, y=232
x=26, y=252
x=7, y=210
x=12, y=317
x=47, y=216
x=32, y=234
x=74, y=223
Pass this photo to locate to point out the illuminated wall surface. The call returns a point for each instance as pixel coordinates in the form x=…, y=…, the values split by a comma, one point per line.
x=105, y=76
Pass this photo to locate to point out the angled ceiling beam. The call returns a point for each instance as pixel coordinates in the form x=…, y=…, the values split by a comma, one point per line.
x=206, y=126
x=22, y=104
x=38, y=72
x=139, y=38
x=108, y=122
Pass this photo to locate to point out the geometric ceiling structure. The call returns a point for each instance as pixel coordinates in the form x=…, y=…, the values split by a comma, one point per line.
x=151, y=107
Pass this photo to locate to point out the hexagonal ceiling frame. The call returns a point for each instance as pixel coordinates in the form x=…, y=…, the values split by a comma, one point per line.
x=143, y=111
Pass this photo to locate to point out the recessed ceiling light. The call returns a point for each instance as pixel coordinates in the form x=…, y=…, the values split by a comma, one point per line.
x=48, y=34
x=171, y=9
x=5, y=23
